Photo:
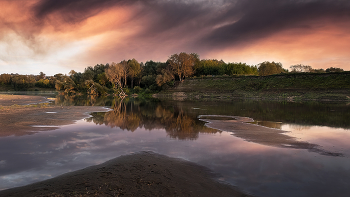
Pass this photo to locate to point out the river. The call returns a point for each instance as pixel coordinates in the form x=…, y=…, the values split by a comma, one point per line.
x=264, y=148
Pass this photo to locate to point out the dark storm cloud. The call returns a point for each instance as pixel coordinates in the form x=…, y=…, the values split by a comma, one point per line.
x=217, y=23
x=166, y=14
x=74, y=10
x=260, y=19
x=174, y=14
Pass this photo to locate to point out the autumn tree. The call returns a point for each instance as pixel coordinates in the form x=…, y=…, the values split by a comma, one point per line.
x=134, y=70
x=270, y=68
x=165, y=76
x=65, y=84
x=72, y=72
x=23, y=82
x=5, y=79
x=182, y=64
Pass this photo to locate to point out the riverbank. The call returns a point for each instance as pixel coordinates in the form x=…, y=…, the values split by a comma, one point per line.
x=23, y=114
x=284, y=87
x=141, y=174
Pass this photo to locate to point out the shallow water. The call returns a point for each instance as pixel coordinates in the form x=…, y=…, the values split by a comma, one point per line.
x=174, y=129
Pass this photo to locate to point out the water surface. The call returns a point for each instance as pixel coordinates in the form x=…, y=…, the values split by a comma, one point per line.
x=174, y=129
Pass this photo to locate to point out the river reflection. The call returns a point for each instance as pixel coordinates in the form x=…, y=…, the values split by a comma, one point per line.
x=131, y=116
x=174, y=129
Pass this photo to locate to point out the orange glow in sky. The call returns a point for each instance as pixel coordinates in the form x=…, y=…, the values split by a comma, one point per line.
x=58, y=36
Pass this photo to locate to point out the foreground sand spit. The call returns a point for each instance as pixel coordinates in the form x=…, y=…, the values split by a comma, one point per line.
x=141, y=174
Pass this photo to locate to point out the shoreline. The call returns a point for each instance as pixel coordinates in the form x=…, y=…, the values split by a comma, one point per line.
x=243, y=128
x=25, y=115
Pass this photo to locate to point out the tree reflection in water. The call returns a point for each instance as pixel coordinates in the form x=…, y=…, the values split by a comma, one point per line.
x=152, y=115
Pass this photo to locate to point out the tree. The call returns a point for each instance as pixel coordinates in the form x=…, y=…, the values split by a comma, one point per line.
x=182, y=64
x=41, y=76
x=165, y=77
x=124, y=69
x=114, y=73
x=102, y=79
x=331, y=69
x=5, y=79
x=66, y=84
x=301, y=68
x=88, y=73
x=150, y=68
x=72, y=72
x=58, y=76
x=270, y=68
x=240, y=69
x=209, y=67
x=134, y=70
x=23, y=82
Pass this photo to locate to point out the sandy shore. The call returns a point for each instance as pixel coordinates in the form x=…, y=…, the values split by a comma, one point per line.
x=8, y=100
x=141, y=174
x=23, y=115
x=240, y=127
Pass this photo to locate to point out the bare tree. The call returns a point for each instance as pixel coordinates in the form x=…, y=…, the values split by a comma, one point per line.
x=115, y=73
x=124, y=69
x=301, y=68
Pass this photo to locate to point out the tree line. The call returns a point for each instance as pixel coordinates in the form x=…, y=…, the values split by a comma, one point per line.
x=132, y=76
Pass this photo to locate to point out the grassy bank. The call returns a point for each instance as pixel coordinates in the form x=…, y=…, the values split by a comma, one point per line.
x=293, y=87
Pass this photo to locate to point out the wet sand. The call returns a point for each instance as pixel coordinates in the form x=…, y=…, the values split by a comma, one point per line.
x=8, y=100
x=141, y=174
x=23, y=115
x=241, y=127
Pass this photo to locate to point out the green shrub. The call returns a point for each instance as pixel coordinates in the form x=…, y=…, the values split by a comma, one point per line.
x=137, y=89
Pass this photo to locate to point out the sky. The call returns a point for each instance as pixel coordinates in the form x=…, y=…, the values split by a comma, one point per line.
x=56, y=36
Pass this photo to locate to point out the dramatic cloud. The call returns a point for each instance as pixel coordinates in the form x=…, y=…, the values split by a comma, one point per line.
x=42, y=35
x=260, y=19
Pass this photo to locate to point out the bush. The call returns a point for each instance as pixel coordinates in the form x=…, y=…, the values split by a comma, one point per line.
x=147, y=91
x=137, y=89
x=127, y=91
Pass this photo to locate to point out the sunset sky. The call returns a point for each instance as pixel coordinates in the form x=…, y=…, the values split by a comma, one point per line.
x=56, y=36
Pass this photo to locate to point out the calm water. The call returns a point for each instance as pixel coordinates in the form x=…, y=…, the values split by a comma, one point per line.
x=173, y=129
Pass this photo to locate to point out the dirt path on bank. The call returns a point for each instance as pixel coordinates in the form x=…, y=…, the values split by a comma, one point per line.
x=23, y=115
